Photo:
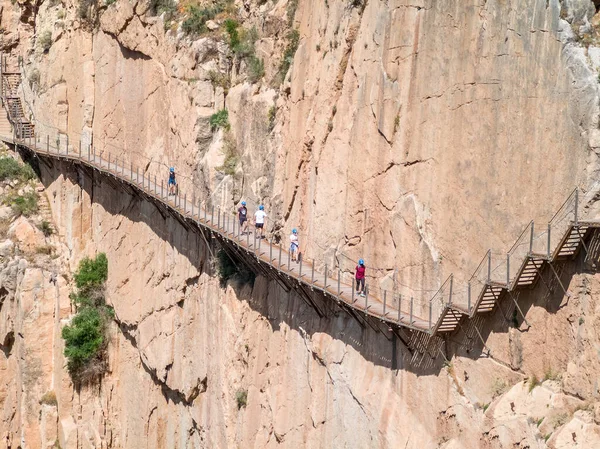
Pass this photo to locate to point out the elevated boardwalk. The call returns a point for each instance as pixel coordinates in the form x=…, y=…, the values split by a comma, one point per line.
x=561, y=239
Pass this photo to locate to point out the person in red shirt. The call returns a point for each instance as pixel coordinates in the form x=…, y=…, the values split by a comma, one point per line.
x=360, y=277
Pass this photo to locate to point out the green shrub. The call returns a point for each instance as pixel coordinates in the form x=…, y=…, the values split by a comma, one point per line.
x=11, y=169
x=293, y=41
x=86, y=336
x=45, y=40
x=256, y=69
x=219, y=119
x=26, y=204
x=533, y=382
x=231, y=27
x=232, y=159
x=291, y=11
x=158, y=7
x=219, y=79
x=195, y=23
x=46, y=228
x=241, y=398
x=92, y=273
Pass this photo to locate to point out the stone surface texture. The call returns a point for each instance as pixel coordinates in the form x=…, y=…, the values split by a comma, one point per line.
x=415, y=134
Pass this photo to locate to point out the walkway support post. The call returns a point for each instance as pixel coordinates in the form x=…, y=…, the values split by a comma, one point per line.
x=411, y=311
x=400, y=308
x=549, y=229
x=508, y=271
x=430, y=314
x=339, y=280
x=531, y=239
x=576, y=205
x=469, y=298
x=384, y=302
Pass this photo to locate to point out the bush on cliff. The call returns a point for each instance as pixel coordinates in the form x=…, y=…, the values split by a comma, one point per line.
x=87, y=335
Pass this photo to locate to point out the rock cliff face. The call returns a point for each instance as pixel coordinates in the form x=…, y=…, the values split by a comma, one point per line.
x=401, y=132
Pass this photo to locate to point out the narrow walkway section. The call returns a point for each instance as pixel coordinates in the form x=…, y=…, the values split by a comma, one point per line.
x=560, y=240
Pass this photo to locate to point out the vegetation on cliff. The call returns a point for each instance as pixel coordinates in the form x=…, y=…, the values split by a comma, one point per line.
x=87, y=335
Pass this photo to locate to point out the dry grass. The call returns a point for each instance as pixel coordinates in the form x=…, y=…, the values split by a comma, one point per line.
x=49, y=399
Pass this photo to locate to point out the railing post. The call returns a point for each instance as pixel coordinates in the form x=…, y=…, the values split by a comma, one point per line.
x=131, y=170
x=531, y=239
x=339, y=281
x=508, y=271
x=451, y=285
x=212, y=217
x=137, y=174
x=366, y=300
x=156, y=190
x=300, y=269
x=312, y=274
x=109, y=161
x=94, y=150
x=489, y=276
x=270, y=249
x=48, y=143
x=352, y=287
x=67, y=144
x=411, y=311
x=469, y=298
x=549, y=240
x=162, y=192
x=89, y=153
x=325, y=276
x=192, y=203
x=288, y=264
x=199, y=209
x=219, y=223
x=576, y=205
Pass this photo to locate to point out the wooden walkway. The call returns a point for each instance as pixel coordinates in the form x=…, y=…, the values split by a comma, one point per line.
x=561, y=239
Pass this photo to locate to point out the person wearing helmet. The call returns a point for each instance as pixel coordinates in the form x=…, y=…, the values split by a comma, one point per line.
x=294, y=245
x=259, y=221
x=172, y=183
x=360, y=277
x=243, y=216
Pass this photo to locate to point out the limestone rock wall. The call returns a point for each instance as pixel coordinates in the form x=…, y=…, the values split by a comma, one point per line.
x=413, y=134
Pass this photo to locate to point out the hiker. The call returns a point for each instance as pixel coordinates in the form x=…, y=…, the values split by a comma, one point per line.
x=360, y=277
x=243, y=216
x=294, y=245
x=172, y=183
x=259, y=221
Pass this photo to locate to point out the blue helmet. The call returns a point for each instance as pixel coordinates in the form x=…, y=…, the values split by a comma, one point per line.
x=261, y=207
x=361, y=262
x=243, y=203
x=172, y=170
x=295, y=231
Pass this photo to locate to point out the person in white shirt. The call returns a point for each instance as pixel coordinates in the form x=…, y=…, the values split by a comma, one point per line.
x=259, y=221
x=294, y=245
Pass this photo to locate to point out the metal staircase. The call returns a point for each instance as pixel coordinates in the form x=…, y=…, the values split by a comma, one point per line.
x=521, y=268
x=10, y=79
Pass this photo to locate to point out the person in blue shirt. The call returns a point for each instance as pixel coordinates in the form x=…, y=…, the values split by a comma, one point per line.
x=172, y=184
